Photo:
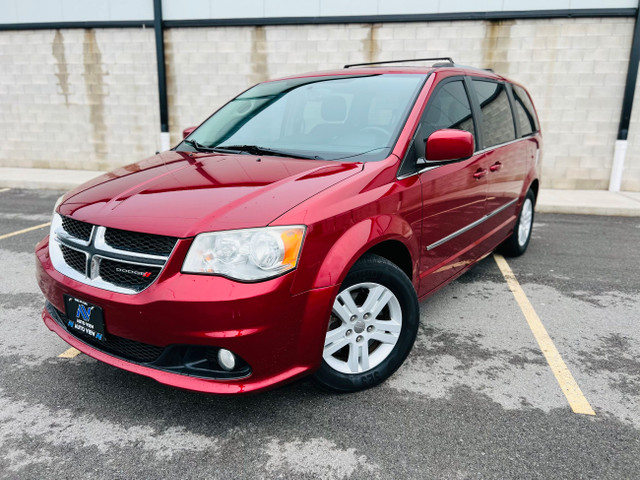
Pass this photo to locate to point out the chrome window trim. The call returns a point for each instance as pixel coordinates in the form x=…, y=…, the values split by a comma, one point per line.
x=479, y=152
x=492, y=147
x=425, y=169
x=471, y=225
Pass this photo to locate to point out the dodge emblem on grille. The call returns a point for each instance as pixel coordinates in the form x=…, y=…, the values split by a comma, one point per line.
x=133, y=272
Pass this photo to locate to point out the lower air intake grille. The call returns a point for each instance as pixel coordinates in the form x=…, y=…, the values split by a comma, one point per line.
x=192, y=360
x=122, y=347
x=125, y=348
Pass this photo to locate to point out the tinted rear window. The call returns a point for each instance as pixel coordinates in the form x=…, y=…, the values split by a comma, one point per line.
x=497, y=119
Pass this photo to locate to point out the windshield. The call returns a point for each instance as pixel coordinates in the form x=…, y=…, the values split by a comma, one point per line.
x=326, y=118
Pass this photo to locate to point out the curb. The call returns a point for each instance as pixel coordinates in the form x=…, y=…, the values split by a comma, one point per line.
x=589, y=202
x=45, y=179
x=585, y=210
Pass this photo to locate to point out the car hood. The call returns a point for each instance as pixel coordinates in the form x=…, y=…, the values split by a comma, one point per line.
x=182, y=194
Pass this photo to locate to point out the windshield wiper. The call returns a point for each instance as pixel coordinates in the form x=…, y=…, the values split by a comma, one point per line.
x=257, y=150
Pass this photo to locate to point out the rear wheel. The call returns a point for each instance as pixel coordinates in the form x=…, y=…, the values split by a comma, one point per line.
x=517, y=243
x=372, y=328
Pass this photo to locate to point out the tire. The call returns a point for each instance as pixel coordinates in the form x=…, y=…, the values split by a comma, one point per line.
x=372, y=328
x=517, y=243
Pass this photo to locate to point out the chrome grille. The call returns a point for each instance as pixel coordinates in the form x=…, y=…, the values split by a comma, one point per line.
x=75, y=259
x=111, y=259
x=81, y=230
x=139, y=242
x=122, y=274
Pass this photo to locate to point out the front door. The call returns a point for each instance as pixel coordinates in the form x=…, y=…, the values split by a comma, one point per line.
x=453, y=195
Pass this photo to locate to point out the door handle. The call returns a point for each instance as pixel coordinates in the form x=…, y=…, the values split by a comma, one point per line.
x=479, y=174
x=495, y=167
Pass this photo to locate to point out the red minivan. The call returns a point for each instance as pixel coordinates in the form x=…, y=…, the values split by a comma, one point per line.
x=295, y=230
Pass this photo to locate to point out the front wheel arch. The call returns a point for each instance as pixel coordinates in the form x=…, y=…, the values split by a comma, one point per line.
x=397, y=243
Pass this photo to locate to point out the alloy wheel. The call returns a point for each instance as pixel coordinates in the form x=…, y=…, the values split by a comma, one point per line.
x=365, y=326
x=526, y=220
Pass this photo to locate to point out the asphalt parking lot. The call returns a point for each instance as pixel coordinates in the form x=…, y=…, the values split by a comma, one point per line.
x=476, y=398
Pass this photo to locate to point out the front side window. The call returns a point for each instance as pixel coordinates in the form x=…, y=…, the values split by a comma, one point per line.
x=497, y=118
x=326, y=118
x=449, y=108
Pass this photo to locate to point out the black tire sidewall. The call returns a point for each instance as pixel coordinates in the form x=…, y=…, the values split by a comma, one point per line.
x=378, y=270
x=511, y=247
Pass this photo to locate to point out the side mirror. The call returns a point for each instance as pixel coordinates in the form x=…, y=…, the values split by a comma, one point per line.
x=447, y=145
x=187, y=131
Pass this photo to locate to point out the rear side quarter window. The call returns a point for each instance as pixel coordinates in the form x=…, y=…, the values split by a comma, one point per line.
x=524, y=110
x=495, y=110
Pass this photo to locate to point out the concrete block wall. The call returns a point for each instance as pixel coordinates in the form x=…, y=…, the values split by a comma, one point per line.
x=575, y=70
x=78, y=99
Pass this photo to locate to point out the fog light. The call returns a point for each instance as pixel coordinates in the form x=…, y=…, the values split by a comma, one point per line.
x=226, y=359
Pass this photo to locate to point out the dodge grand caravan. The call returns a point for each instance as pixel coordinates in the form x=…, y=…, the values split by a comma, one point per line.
x=294, y=231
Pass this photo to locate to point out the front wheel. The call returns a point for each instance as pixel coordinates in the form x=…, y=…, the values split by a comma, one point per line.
x=373, y=325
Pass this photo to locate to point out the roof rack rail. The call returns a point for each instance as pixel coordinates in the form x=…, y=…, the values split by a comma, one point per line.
x=448, y=59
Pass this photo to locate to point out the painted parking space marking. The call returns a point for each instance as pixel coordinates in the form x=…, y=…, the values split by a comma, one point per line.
x=24, y=230
x=2, y=190
x=575, y=397
x=70, y=353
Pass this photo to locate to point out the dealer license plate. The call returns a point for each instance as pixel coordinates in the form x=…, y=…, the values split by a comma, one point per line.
x=85, y=318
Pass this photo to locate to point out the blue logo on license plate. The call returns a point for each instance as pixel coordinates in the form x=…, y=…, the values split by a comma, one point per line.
x=84, y=312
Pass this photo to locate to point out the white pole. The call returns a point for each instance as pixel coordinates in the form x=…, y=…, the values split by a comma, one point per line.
x=619, y=154
x=165, y=141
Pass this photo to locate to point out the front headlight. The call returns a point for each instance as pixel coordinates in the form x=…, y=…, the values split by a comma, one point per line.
x=249, y=255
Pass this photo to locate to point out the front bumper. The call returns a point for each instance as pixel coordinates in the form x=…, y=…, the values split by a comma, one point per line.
x=278, y=334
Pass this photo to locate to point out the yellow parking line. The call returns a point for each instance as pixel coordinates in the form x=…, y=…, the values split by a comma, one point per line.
x=2, y=190
x=569, y=386
x=71, y=353
x=24, y=230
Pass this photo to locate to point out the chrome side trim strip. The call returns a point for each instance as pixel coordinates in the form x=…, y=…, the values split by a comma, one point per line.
x=471, y=225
